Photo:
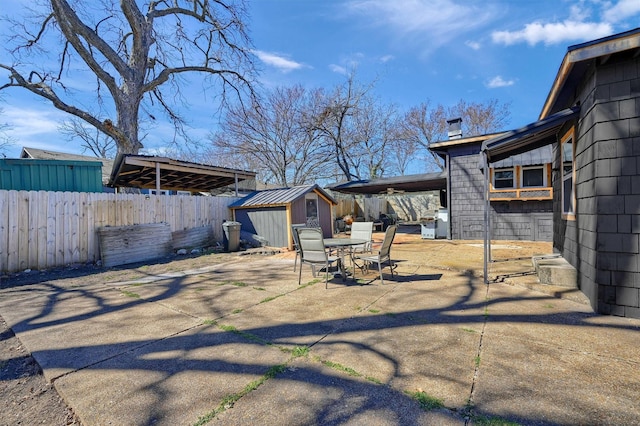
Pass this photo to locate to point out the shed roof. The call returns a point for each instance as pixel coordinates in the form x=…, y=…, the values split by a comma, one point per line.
x=140, y=171
x=409, y=183
x=279, y=197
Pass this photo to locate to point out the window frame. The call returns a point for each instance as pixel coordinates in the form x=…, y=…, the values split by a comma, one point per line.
x=569, y=136
x=513, y=177
x=312, y=202
x=541, y=167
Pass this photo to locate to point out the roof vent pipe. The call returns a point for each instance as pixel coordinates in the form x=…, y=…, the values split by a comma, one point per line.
x=455, y=128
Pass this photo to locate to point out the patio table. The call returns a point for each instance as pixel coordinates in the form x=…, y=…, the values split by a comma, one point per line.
x=341, y=244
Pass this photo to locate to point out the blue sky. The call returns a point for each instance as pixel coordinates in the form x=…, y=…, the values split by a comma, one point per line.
x=417, y=50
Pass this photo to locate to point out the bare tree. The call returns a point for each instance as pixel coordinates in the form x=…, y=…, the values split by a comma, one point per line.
x=481, y=118
x=137, y=57
x=374, y=133
x=336, y=124
x=5, y=139
x=425, y=124
x=92, y=140
x=277, y=136
x=402, y=150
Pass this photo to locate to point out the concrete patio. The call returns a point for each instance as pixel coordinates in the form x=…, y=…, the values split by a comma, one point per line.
x=240, y=342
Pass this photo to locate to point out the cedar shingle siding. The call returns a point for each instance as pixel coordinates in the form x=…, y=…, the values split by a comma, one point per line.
x=510, y=220
x=603, y=242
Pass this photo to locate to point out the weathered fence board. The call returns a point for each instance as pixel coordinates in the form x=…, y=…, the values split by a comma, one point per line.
x=201, y=236
x=41, y=230
x=120, y=245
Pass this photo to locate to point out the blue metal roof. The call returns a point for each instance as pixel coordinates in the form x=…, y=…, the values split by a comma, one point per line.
x=531, y=136
x=278, y=197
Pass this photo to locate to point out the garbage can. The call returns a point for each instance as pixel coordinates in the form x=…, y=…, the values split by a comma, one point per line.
x=231, y=235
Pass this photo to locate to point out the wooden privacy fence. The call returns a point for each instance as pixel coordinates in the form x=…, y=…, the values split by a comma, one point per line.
x=41, y=230
x=366, y=207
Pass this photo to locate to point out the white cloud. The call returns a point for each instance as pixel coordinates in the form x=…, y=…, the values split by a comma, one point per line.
x=278, y=61
x=429, y=23
x=27, y=122
x=622, y=10
x=498, y=81
x=472, y=44
x=339, y=69
x=386, y=58
x=553, y=33
x=35, y=128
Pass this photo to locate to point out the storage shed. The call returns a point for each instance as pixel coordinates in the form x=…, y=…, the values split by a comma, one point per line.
x=271, y=213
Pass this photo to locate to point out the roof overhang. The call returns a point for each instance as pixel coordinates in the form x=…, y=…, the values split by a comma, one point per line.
x=446, y=144
x=409, y=183
x=141, y=171
x=531, y=136
x=577, y=60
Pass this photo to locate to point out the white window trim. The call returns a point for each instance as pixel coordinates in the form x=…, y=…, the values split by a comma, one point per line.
x=513, y=179
x=570, y=135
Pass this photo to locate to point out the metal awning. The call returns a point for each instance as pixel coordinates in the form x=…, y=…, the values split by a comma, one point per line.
x=531, y=136
x=542, y=155
x=142, y=171
x=409, y=183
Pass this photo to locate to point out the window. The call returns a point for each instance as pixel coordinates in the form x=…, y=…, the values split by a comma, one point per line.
x=530, y=182
x=311, y=202
x=533, y=177
x=156, y=192
x=567, y=146
x=503, y=178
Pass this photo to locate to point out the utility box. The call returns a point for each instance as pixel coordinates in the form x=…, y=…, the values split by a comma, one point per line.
x=428, y=228
x=231, y=235
x=443, y=222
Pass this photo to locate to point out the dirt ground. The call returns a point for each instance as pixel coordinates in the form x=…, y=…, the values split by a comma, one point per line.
x=27, y=398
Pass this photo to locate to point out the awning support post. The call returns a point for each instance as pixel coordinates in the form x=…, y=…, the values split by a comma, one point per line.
x=487, y=217
x=157, y=178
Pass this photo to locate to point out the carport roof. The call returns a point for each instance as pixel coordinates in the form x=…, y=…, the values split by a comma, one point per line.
x=408, y=183
x=141, y=171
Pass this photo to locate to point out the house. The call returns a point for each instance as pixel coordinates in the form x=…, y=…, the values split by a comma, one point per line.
x=520, y=190
x=271, y=213
x=591, y=119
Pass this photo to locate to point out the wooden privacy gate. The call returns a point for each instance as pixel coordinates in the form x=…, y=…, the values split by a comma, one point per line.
x=41, y=230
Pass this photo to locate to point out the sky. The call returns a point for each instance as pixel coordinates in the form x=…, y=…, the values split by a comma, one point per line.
x=440, y=51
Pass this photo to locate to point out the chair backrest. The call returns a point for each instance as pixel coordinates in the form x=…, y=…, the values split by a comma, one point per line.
x=389, y=235
x=294, y=234
x=362, y=231
x=311, y=245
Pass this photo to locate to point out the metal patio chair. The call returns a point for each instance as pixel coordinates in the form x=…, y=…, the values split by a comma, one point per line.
x=313, y=252
x=383, y=256
x=296, y=242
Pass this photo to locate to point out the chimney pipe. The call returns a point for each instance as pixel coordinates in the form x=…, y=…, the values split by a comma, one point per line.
x=455, y=128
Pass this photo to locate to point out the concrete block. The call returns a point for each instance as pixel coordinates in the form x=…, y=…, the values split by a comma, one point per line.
x=555, y=270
